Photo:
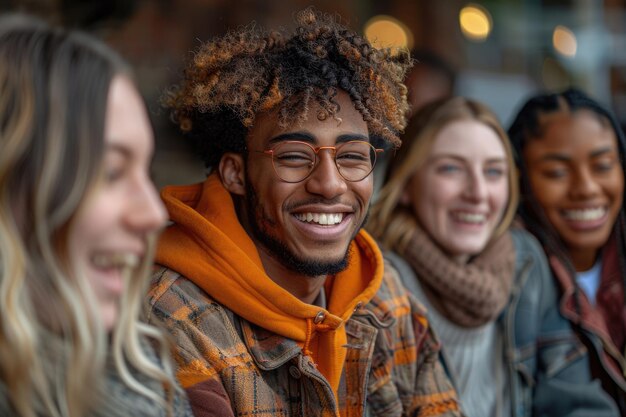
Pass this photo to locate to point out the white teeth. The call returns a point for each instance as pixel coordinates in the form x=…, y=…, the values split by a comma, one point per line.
x=115, y=260
x=585, y=215
x=470, y=217
x=327, y=219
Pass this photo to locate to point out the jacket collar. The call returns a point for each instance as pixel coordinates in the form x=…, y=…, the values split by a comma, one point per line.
x=268, y=349
x=271, y=351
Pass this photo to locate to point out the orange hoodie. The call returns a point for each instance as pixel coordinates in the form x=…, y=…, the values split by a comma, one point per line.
x=208, y=245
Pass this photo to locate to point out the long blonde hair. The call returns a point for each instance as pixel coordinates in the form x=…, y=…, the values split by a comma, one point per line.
x=53, y=95
x=392, y=223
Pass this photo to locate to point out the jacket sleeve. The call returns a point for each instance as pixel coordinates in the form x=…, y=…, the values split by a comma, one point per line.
x=181, y=314
x=563, y=385
x=205, y=391
x=209, y=399
x=434, y=393
x=421, y=381
x=202, y=385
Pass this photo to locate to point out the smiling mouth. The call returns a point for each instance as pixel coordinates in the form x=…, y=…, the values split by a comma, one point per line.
x=468, y=217
x=585, y=215
x=325, y=219
x=115, y=260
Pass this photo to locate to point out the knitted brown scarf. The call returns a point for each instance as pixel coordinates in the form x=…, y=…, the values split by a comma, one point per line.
x=469, y=294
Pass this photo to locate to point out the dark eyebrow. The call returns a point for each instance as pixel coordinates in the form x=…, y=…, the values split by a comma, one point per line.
x=301, y=136
x=601, y=151
x=352, y=136
x=309, y=138
x=565, y=158
x=556, y=157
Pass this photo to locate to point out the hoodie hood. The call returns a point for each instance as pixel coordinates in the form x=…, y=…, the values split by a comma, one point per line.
x=208, y=245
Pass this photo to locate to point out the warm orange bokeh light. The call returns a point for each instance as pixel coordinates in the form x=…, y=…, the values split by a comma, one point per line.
x=387, y=32
x=475, y=22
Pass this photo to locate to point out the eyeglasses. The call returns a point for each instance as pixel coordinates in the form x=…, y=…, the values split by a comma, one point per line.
x=294, y=161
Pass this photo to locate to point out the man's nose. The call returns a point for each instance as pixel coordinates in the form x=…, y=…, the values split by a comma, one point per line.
x=325, y=180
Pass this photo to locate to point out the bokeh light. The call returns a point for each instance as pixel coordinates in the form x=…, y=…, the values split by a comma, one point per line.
x=475, y=22
x=564, y=41
x=384, y=31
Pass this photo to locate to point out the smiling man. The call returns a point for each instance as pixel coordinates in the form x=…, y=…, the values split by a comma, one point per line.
x=269, y=286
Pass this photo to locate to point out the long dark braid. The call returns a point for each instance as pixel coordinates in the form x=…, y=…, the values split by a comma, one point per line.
x=527, y=125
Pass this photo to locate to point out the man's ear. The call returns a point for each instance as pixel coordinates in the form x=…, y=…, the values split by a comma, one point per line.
x=233, y=173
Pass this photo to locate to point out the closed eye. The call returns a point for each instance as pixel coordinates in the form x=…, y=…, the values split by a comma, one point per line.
x=604, y=166
x=353, y=155
x=293, y=156
x=555, y=173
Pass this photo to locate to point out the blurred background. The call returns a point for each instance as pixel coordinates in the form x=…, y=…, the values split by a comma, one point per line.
x=498, y=51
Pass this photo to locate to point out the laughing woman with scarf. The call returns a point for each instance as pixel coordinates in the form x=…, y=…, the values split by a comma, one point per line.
x=444, y=214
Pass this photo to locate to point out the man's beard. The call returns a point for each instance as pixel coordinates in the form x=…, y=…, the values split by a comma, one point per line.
x=279, y=250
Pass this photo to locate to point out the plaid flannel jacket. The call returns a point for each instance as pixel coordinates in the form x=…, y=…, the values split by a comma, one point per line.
x=392, y=367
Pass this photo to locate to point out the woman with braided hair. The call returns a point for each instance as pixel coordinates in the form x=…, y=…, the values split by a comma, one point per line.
x=570, y=155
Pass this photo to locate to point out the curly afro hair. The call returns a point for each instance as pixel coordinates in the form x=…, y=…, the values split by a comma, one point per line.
x=235, y=77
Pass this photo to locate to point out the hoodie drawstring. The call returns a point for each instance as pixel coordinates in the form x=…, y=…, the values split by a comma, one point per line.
x=309, y=335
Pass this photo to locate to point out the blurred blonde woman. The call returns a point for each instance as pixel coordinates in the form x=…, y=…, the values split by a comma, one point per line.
x=78, y=214
x=445, y=214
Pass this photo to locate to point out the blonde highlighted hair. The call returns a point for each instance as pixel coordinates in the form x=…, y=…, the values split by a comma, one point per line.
x=53, y=348
x=390, y=221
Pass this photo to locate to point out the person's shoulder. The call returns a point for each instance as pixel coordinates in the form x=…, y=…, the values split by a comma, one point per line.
x=391, y=285
x=174, y=297
x=406, y=318
x=166, y=282
x=393, y=297
x=523, y=239
x=526, y=246
x=533, y=273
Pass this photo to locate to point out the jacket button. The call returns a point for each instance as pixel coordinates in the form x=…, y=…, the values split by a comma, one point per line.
x=319, y=317
x=295, y=372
